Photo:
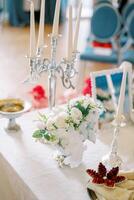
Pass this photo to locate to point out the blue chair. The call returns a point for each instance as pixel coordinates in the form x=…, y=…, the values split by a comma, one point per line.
x=105, y=17
x=128, y=9
x=1, y=5
x=17, y=16
x=128, y=55
x=105, y=24
x=2, y=12
x=103, y=1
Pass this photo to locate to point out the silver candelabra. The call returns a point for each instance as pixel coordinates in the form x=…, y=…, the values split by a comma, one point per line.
x=66, y=69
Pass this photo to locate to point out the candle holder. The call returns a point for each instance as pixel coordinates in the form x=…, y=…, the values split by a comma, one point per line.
x=112, y=159
x=66, y=69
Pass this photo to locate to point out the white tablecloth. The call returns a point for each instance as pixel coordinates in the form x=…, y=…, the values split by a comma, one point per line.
x=28, y=171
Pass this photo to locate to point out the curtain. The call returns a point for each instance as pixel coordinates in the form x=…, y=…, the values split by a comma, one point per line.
x=18, y=17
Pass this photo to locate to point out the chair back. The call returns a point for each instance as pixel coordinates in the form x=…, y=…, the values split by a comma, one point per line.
x=130, y=25
x=128, y=9
x=2, y=5
x=103, y=1
x=105, y=22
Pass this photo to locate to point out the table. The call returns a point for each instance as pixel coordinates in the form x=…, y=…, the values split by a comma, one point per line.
x=28, y=171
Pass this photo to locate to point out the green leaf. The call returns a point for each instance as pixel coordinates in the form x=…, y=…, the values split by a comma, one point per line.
x=42, y=117
x=47, y=136
x=53, y=138
x=84, y=111
x=44, y=134
x=38, y=134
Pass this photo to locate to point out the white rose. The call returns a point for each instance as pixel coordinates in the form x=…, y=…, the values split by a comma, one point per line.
x=40, y=125
x=72, y=102
x=76, y=115
x=90, y=101
x=60, y=120
x=57, y=110
x=85, y=103
x=61, y=133
x=49, y=124
x=51, y=115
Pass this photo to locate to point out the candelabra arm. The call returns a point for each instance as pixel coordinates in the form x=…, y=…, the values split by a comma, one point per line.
x=43, y=66
x=65, y=77
x=67, y=71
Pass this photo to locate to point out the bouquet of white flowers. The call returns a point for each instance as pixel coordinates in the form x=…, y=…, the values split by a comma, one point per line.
x=69, y=126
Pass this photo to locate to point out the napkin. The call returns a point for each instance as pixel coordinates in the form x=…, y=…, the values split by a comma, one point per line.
x=122, y=191
x=131, y=196
x=116, y=193
x=128, y=174
x=100, y=197
x=128, y=184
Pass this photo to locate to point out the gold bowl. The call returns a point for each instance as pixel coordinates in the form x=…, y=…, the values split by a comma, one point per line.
x=11, y=109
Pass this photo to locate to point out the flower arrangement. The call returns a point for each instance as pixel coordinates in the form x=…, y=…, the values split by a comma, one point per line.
x=68, y=126
x=72, y=115
x=103, y=176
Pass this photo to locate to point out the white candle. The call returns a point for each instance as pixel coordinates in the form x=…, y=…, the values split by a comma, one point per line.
x=122, y=95
x=70, y=35
x=56, y=18
x=40, y=42
x=77, y=28
x=32, y=31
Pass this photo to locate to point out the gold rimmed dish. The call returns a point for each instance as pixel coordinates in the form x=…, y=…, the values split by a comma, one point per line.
x=11, y=109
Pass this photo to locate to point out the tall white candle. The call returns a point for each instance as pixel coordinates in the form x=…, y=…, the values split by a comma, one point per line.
x=122, y=95
x=40, y=42
x=77, y=28
x=70, y=35
x=32, y=31
x=56, y=19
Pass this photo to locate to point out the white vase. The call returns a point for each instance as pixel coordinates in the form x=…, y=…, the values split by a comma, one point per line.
x=70, y=149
